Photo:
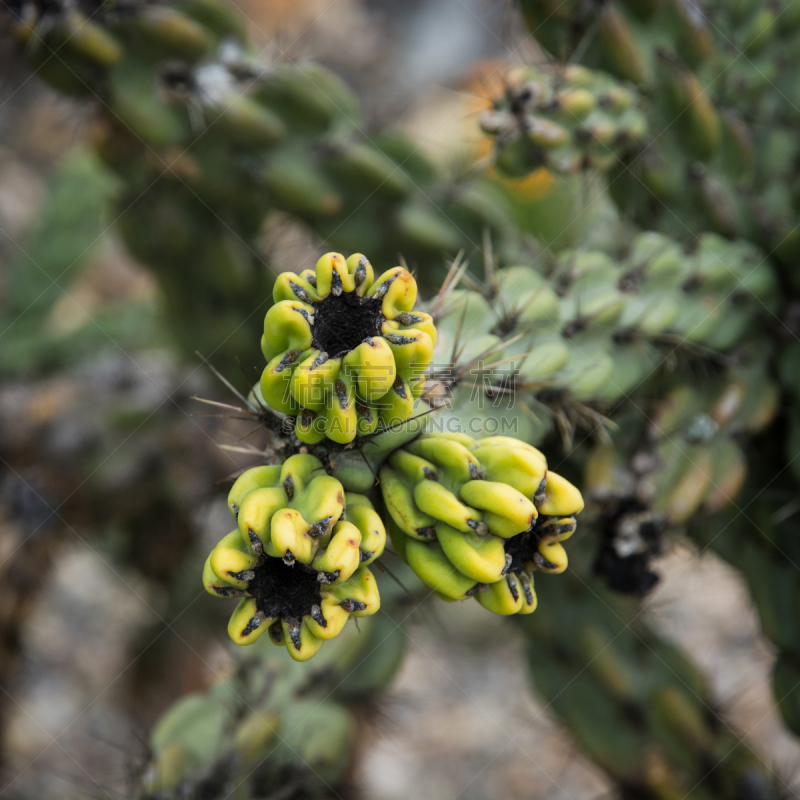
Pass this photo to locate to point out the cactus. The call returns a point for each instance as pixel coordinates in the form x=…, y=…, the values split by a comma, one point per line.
x=565, y=122
x=656, y=347
x=637, y=705
x=718, y=150
x=683, y=463
x=67, y=234
x=586, y=331
x=207, y=141
x=471, y=518
x=721, y=90
x=270, y=727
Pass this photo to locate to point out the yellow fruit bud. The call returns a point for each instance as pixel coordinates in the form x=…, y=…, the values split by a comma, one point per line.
x=561, y=498
x=507, y=512
x=504, y=597
x=231, y=562
x=482, y=558
x=435, y=570
x=247, y=624
x=301, y=643
x=340, y=559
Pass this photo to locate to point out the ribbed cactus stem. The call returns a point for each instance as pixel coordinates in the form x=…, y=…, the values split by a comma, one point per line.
x=635, y=703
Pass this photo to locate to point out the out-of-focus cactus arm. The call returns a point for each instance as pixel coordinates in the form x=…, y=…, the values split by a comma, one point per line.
x=635, y=703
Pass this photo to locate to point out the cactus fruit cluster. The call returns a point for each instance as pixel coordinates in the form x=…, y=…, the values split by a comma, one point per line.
x=298, y=558
x=471, y=517
x=344, y=350
x=577, y=119
x=719, y=80
x=477, y=518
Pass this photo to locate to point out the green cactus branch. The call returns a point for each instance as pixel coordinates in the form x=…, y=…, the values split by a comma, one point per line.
x=635, y=703
x=273, y=728
x=586, y=333
x=42, y=269
x=721, y=105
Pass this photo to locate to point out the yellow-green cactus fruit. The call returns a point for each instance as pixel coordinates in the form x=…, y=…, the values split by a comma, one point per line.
x=298, y=559
x=345, y=352
x=478, y=517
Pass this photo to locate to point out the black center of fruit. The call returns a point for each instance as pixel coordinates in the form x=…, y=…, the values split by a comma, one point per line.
x=342, y=323
x=283, y=591
x=521, y=548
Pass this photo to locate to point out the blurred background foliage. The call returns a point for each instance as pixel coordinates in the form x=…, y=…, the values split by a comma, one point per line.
x=160, y=164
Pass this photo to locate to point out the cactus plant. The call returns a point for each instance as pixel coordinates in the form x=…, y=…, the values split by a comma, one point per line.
x=207, y=140
x=718, y=152
x=634, y=702
x=270, y=727
x=686, y=464
x=573, y=120
x=721, y=157
x=43, y=268
x=661, y=349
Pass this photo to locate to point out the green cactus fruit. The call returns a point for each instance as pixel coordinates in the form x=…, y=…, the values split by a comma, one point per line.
x=478, y=517
x=345, y=351
x=299, y=557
